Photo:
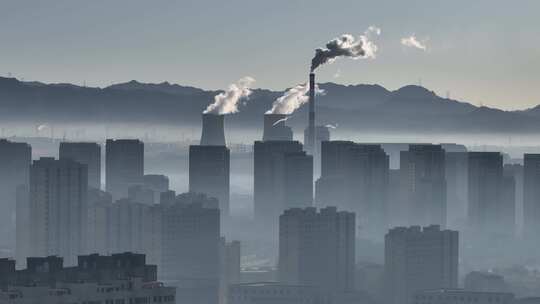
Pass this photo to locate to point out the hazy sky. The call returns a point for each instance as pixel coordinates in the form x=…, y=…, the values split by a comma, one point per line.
x=483, y=51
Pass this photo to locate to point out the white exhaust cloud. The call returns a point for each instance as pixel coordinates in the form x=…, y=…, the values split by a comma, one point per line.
x=227, y=102
x=42, y=127
x=347, y=46
x=413, y=42
x=332, y=126
x=293, y=99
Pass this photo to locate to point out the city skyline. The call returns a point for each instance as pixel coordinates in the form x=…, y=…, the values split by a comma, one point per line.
x=319, y=193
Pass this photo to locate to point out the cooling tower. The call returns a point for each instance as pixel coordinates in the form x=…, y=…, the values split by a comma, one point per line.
x=213, y=133
x=275, y=128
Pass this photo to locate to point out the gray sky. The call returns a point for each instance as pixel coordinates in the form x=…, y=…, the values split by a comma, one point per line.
x=483, y=51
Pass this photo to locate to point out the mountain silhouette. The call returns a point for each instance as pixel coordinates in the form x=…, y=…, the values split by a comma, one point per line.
x=355, y=107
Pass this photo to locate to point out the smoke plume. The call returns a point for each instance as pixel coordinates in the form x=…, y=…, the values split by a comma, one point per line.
x=332, y=126
x=227, y=102
x=346, y=46
x=42, y=127
x=413, y=42
x=292, y=99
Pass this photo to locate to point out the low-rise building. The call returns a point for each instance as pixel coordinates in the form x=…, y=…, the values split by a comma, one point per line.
x=485, y=281
x=529, y=300
x=272, y=292
x=133, y=290
x=461, y=296
x=280, y=293
x=120, y=279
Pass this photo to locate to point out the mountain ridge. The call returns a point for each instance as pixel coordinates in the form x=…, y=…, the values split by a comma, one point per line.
x=372, y=107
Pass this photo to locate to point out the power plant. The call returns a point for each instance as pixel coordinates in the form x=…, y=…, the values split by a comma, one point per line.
x=310, y=144
x=322, y=133
x=213, y=133
x=275, y=128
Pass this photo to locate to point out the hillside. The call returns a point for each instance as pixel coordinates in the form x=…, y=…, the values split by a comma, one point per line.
x=366, y=107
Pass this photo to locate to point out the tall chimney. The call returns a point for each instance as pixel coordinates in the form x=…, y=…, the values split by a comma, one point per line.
x=275, y=128
x=311, y=138
x=213, y=133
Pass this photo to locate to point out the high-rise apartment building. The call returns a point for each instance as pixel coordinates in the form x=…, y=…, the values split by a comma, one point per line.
x=15, y=160
x=86, y=153
x=297, y=180
x=423, y=184
x=158, y=183
x=270, y=176
x=317, y=248
x=355, y=177
x=418, y=259
x=209, y=173
x=531, y=196
x=191, y=247
x=456, y=173
x=124, y=166
x=491, y=208
x=58, y=208
x=230, y=254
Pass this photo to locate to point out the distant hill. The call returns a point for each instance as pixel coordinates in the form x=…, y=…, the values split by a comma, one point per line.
x=356, y=107
x=163, y=87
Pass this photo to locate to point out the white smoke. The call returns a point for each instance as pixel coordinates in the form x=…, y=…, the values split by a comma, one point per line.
x=42, y=127
x=292, y=99
x=332, y=126
x=347, y=46
x=227, y=102
x=413, y=42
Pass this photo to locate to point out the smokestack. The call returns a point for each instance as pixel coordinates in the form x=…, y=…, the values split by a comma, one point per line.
x=311, y=137
x=213, y=133
x=275, y=128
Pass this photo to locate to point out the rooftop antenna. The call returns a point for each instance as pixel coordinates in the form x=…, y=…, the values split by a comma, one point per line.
x=448, y=94
x=420, y=81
